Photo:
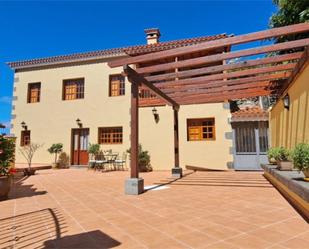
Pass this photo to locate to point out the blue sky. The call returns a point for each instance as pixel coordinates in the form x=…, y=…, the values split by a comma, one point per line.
x=38, y=29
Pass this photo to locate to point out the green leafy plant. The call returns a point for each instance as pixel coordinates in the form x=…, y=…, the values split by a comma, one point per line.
x=290, y=12
x=300, y=156
x=7, y=149
x=143, y=159
x=63, y=161
x=55, y=149
x=93, y=149
x=276, y=154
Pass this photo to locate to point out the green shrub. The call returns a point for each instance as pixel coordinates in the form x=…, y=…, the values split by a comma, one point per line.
x=300, y=156
x=276, y=154
x=7, y=149
x=55, y=149
x=93, y=149
x=143, y=159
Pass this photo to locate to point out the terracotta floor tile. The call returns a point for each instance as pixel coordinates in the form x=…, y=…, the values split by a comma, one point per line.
x=85, y=209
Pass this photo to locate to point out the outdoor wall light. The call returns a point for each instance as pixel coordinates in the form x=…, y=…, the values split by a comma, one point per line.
x=79, y=123
x=155, y=114
x=286, y=101
x=24, y=126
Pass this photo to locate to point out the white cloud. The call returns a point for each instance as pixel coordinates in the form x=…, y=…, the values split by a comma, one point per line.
x=6, y=99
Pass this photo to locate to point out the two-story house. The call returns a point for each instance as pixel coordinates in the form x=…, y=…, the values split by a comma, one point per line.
x=78, y=99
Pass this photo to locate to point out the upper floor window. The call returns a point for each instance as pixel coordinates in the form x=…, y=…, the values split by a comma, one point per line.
x=34, y=92
x=110, y=135
x=116, y=85
x=25, y=138
x=73, y=89
x=201, y=129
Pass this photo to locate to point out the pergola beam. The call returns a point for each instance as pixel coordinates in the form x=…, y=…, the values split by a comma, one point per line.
x=226, y=67
x=224, y=56
x=247, y=72
x=197, y=84
x=221, y=89
x=211, y=98
x=261, y=35
x=141, y=80
x=303, y=61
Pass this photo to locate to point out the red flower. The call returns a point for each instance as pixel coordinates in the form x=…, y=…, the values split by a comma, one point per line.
x=12, y=171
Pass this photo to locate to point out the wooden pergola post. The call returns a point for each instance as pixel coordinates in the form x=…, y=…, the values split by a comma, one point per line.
x=134, y=185
x=176, y=171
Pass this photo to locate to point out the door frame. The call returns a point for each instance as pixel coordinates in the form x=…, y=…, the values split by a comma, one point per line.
x=78, y=143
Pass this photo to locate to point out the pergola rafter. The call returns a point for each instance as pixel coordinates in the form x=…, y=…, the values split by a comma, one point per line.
x=185, y=75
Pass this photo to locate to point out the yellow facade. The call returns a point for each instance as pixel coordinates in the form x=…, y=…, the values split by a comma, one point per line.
x=51, y=120
x=291, y=126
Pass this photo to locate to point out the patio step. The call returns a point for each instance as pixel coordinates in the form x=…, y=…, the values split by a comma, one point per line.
x=78, y=166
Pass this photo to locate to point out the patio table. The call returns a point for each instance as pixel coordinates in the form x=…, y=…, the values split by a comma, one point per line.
x=111, y=158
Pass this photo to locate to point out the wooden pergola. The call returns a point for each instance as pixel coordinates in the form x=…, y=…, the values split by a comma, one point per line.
x=196, y=75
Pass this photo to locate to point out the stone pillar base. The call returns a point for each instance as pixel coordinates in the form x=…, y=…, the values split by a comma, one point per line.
x=134, y=186
x=177, y=172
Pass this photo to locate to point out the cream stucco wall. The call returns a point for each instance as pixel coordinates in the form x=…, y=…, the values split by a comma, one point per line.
x=52, y=119
x=289, y=127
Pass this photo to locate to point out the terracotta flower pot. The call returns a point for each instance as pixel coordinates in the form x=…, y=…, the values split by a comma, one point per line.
x=285, y=165
x=29, y=172
x=5, y=186
x=306, y=173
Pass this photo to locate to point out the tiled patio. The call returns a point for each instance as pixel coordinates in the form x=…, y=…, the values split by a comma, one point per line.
x=77, y=208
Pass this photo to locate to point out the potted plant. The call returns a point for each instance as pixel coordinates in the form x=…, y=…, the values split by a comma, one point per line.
x=55, y=149
x=273, y=154
x=63, y=161
x=143, y=159
x=7, y=148
x=28, y=152
x=283, y=159
x=300, y=157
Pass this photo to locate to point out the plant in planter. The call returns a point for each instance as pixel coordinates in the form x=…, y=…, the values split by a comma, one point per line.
x=7, y=148
x=93, y=150
x=28, y=152
x=55, y=149
x=273, y=154
x=143, y=159
x=300, y=157
x=283, y=159
x=63, y=161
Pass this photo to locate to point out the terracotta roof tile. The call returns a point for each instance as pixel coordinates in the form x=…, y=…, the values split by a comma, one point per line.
x=131, y=50
x=250, y=114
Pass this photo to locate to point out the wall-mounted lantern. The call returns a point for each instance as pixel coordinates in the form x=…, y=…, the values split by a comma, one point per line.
x=286, y=101
x=24, y=126
x=155, y=114
x=79, y=123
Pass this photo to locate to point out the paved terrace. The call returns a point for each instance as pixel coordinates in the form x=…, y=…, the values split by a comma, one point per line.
x=77, y=208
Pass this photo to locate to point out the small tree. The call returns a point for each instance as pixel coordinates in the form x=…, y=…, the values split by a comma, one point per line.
x=55, y=149
x=93, y=149
x=28, y=152
x=143, y=159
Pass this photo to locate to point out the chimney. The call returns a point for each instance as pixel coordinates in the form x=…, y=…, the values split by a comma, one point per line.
x=152, y=35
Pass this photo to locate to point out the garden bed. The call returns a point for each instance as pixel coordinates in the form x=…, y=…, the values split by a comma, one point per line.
x=292, y=185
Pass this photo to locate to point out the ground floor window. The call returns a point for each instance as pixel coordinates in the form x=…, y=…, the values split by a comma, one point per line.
x=25, y=138
x=110, y=135
x=200, y=129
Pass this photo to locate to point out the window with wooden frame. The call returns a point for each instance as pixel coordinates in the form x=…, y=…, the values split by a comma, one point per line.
x=73, y=89
x=34, y=92
x=110, y=135
x=116, y=85
x=201, y=129
x=25, y=138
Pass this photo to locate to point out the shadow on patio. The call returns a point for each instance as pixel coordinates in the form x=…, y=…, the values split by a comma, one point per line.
x=20, y=190
x=220, y=179
x=31, y=229
x=92, y=239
